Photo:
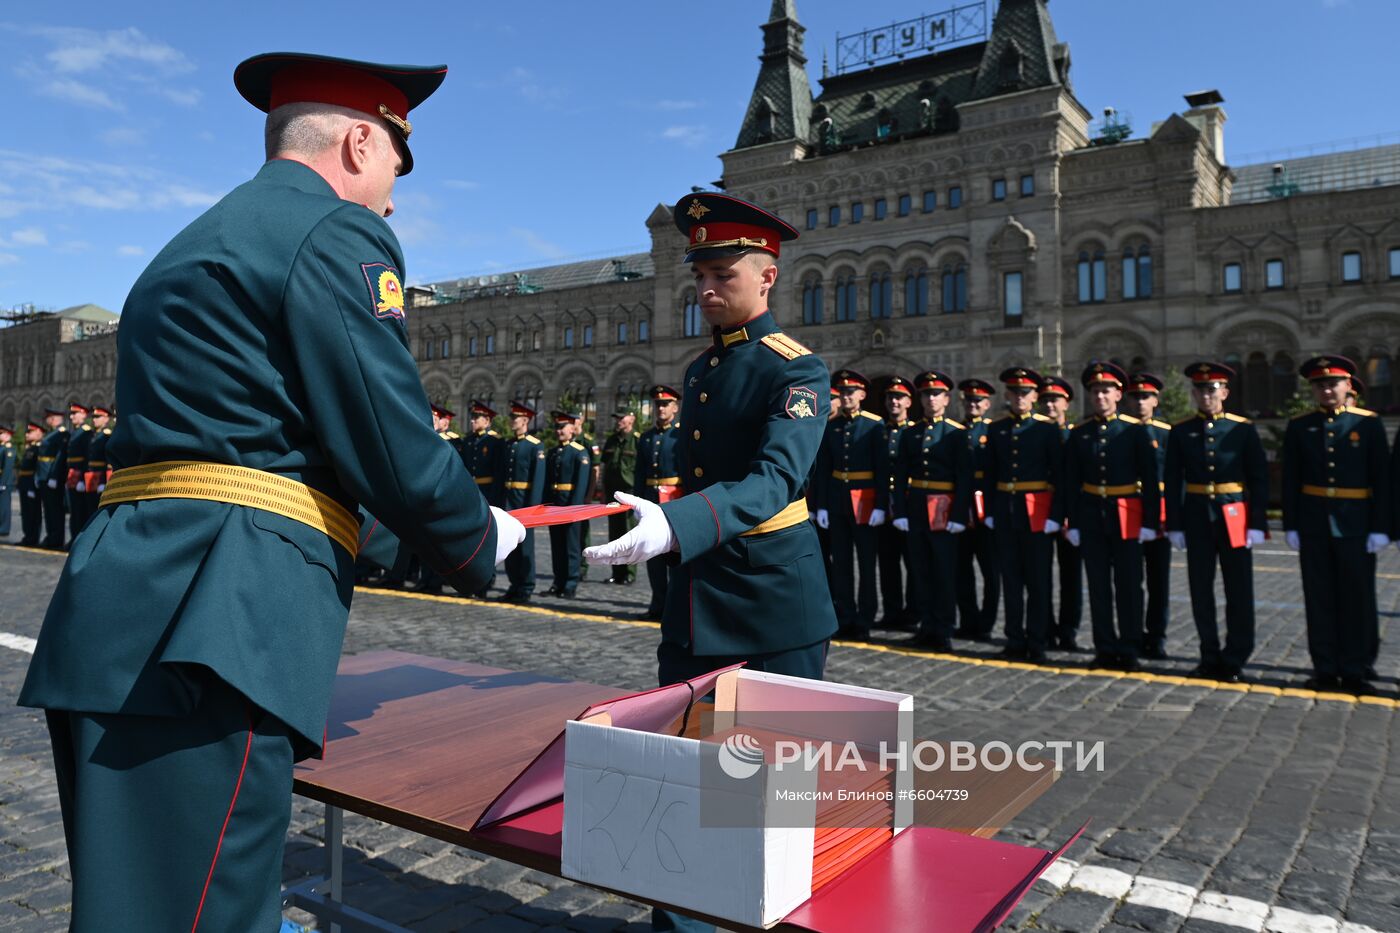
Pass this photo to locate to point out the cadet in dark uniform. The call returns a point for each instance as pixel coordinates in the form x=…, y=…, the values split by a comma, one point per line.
x=852, y=498
x=931, y=500
x=7, y=478
x=1144, y=391
x=521, y=475
x=1055, y=395
x=1217, y=494
x=1023, y=463
x=79, y=439
x=407, y=562
x=95, y=475
x=1336, y=511
x=976, y=547
x=897, y=606
x=31, y=508
x=823, y=531
x=53, y=471
x=1111, y=497
x=659, y=479
x=481, y=451
x=263, y=364
x=619, y=458
x=566, y=483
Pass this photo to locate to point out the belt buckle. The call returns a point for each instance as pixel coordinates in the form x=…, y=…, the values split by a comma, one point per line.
x=1331, y=492
x=1210, y=489
x=1103, y=490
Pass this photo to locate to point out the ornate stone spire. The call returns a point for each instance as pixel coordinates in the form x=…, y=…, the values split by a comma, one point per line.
x=781, y=105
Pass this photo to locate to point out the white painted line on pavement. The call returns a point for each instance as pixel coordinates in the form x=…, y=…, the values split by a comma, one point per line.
x=1185, y=901
x=17, y=642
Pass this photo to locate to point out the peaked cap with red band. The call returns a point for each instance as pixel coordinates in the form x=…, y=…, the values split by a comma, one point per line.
x=1101, y=372
x=75, y=407
x=1327, y=367
x=1055, y=385
x=442, y=412
x=898, y=385
x=849, y=379
x=99, y=410
x=717, y=225
x=564, y=417
x=521, y=410
x=1019, y=377
x=480, y=409
x=661, y=393
x=51, y=412
x=1203, y=372
x=389, y=92
x=1145, y=383
x=34, y=426
x=976, y=388
x=933, y=379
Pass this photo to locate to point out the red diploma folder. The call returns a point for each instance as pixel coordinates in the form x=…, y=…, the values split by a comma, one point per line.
x=1038, y=509
x=667, y=493
x=939, y=505
x=1130, y=517
x=1236, y=524
x=862, y=504
x=538, y=516
x=979, y=505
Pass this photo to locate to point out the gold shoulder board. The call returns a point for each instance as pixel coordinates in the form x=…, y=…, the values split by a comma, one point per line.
x=784, y=346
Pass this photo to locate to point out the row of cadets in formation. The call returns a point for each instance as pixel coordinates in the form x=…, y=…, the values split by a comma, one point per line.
x=62, y=470
x=1107, y=498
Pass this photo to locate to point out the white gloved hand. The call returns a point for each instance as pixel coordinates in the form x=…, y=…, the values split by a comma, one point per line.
x=53, y=484
x=31, y=494
x=989, y=523
x=1252, y=537
x=823, y=518
x=902, y=524
x=1052, y=527
x=1072, y=536
x=1178, y=539
x=509, y=533
x=81, y=487
x=1376, y=541
x=1292, y=538
x=101, y=487
x=651, y=537
x=955, y=529
x=877, y=518
x=1146, y=535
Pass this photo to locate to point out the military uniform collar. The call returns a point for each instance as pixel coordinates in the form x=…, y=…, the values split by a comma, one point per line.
x=296, y=175
x=1021, y=419
x=1107, y=418
x=928, y=420
x=1340, y=409
x=755, y=328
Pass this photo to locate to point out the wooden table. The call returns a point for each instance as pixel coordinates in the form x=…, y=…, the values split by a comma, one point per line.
x=426, y=744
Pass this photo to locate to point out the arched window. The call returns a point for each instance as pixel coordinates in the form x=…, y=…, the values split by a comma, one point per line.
x=916, y=292
x=1379, y=378
x=812, y=301
x=1235, y=403
x=1284, y=381
x=1137, y=272
x=846, y=297
x=1092, y=287
x=694, y=322
x=1256, y=382
x=954, y=288
x=881, y=295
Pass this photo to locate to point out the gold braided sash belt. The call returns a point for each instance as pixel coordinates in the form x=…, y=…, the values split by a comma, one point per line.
x=235, y=485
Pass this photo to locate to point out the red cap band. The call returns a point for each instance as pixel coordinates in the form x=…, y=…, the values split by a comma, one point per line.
x=326, y=83
x=713, y=236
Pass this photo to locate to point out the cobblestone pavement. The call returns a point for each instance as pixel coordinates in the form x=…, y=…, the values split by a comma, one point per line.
x=1218, y=808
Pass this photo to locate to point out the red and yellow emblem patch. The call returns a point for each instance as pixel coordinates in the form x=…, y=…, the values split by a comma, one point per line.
x=385, y=289
x=801, y=402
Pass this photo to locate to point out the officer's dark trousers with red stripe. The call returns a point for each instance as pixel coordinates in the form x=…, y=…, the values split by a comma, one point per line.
x=1339, y=585
x=175, y=823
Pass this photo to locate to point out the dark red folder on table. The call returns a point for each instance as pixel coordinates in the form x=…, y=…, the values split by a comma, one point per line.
x=538, y=516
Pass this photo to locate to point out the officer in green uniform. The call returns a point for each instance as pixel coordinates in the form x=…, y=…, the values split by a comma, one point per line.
x=264, y=366
x=53, y=471
x=1023, y=464
x=1144, y=392
x=7, y=478
x=659, y=480
x=1111, y=498
x=520, y=472
x=1055, y=397
x=79, y=440
x=95, y=475
x=1216, y=476
x=1336, y=512
x=898, y=607
x=566, y=476
x=619, y=459
x=31, y=508
x=853, y=488
x=976, y=549
x=931, y=500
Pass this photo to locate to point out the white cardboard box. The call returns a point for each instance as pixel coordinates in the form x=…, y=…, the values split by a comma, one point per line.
x=632, y=810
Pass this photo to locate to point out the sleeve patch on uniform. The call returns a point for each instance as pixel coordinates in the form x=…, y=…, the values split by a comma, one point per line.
x=801, y=402
x=385, y=289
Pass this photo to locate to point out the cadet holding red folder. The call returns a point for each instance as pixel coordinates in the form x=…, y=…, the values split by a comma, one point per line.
x=1217, y=489
x=1111, y=500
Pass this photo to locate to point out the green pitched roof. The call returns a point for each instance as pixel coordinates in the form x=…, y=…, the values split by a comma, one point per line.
x=90, y=313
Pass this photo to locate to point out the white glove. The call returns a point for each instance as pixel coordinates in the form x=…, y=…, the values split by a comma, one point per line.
x=823, y=518
x=902, y=524
x=1146, y=535
x=877, y=518
x=989, y=523
x=1252, y=537
x=53, y=484
x=651, y=537
x=509, y=533
x=101, y=487
x=81, y=487
x=1178, y=539
x=1376, y=542
x=955, y=529
x=1052, y=527
x=1072, y=536
x=31, y=494
x=1292, y=538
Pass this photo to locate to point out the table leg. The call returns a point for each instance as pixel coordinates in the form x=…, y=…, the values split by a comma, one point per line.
x=322, y=895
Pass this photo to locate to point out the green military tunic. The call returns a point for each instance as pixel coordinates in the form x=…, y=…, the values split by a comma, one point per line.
x=897, y=602
x=481, y=452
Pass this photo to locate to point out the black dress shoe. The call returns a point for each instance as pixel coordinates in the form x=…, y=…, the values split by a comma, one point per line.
x=1128, y=663
x=1322, y=682
x=853, y=633
x=1230, y=675
x=649, y=615
x=1103, y=660
x=1371, y=674
x=566, y=595
x=1037, y=657
x=940, y=643
x=1012, y=653
x=552, y=591
x=1067, y=644
x=1358, y=685
x=1154, y=653
x=963, y=632
x=1208, y=671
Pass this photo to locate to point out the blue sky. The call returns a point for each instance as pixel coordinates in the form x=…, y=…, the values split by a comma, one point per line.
x=561, y=124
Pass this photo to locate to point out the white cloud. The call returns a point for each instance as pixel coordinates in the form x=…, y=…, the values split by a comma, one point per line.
x=673, y=105
x=461, y=184
x=76, y=92
x=56, y=184
x=688, y=136
x=123, y=136
x=29, y=236
x=78, y=51
x=130, y=250
x=97, y=68
x=7, y=259
x=538, y=244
